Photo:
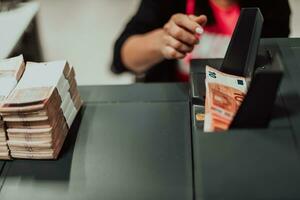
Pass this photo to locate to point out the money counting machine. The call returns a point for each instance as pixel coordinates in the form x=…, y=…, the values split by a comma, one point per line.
x=259, y=157
x=142, y=141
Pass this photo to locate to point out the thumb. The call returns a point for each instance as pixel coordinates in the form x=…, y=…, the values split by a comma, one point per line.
x=201, y=20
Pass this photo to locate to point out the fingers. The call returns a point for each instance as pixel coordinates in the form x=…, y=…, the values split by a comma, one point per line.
x=175, y=49
x=180, y=34
x=171, y=53
x=177, y=45
x=185, y=22
x=201, y=20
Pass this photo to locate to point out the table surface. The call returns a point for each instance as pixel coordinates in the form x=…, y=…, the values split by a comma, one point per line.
x=13, y=24
x=126, y=147
x=137, y=142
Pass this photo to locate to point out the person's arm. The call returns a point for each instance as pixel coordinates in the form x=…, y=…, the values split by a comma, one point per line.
x=150, y=15
x=142, y=51
x=173, y=41
x=151, y=37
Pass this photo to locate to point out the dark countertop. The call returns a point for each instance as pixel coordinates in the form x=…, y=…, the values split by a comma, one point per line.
x=127, y=147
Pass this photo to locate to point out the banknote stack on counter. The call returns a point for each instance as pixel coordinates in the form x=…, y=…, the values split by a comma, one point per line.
x=40, y=110
x=224, y=95
x=11, y=71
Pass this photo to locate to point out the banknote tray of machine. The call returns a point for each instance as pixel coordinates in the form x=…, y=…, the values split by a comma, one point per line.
x=262, y=68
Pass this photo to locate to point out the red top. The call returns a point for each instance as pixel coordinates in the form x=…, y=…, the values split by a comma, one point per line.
x=226, y=18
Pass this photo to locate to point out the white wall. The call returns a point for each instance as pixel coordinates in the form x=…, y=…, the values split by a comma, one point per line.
x=295, y=21
x=83, y=32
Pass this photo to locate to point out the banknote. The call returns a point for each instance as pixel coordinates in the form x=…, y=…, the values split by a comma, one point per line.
x=224, y=95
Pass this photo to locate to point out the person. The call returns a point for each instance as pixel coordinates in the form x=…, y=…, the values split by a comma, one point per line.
x=163, y=32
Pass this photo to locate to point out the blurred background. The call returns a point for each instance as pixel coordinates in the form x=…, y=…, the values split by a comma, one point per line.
x=83, y=32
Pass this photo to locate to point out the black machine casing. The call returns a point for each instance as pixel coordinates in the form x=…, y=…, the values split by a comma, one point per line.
x=251, y=163
x=259, y=156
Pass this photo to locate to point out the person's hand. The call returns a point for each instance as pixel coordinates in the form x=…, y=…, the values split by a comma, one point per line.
x=180, y=35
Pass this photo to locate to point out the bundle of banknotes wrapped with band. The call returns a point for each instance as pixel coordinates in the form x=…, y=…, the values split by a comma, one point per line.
x=224, y=95
x=38, y=105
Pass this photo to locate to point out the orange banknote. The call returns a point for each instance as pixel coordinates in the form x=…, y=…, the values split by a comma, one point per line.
x=224, y=95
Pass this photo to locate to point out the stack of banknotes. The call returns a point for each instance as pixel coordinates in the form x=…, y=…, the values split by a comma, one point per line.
x=40, y=110
x=224, y=95
x=11, y=71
